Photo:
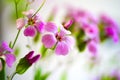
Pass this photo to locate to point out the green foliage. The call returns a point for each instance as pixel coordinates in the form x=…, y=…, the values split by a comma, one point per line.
x=102, y=34
x=17, y=51
x=21, y=6
x=39, y=76
x=64, y=76
x=22, y=66
x=36, y=38
x=2, y=72
x=81, y=44
x=105, y=77
x=43, y=51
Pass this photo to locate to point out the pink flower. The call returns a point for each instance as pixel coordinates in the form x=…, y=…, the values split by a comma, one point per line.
x=111, y=27
x=32, y=24
x=91, y=30
x=58, y=38
x=92, y=47
x=6, y=51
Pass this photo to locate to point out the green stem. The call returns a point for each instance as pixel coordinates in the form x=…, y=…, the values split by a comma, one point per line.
x=43, y=51
x=16, y=10
x=13, y=75
x=2, y=72
x=15, y=39
x=39, y=8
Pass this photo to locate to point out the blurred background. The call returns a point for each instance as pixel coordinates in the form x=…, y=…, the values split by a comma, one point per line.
x=76, y=65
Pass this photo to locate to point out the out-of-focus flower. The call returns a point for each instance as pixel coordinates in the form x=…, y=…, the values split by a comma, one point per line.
x=92, y=47
x=110, y=27
x=6, y=52
x=58, y=38
x=67, y=24
x=26, y=62
x=32, y=24
x=91, y=30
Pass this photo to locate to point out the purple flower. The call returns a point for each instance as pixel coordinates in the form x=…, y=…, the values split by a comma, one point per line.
x=29, y=57
x=58, y=37
x=6, y=51
x=32, y=24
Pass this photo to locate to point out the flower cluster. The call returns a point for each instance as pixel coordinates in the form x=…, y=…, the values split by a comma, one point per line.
x=53, y=36
x=90, y=30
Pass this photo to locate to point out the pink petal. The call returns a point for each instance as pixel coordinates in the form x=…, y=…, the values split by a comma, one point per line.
x=39, y=26
x=92, y=47
x=63, y=31
x=49, y=40
x=10, y=59
x=62, y=48
x=91, y=30
x=28, y=13
x=30, y=31
x=70, y=41
x=68, y=24
x=5, y=47
x=20, y=23
x=51, y=27
x=0, y=65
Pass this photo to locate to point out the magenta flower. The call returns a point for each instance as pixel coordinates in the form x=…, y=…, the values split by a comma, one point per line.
x=58, y=38
x=6, y=51
x=32, y=24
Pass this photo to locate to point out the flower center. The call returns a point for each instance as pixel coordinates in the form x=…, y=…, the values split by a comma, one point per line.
x=59, y=38
x=31, y=21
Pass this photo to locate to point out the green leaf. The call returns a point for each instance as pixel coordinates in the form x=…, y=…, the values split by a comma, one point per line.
x=22, y=66
x=2, y=72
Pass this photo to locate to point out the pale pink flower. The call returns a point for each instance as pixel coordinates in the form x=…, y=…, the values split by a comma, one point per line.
x=58, y=37
x=20, y=23
x=32, y=24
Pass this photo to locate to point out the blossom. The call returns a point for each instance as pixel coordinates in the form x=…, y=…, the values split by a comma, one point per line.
x=58, y=37
x=6, y=51
x=92, y=47
x=32, y=24
x=110, y=27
